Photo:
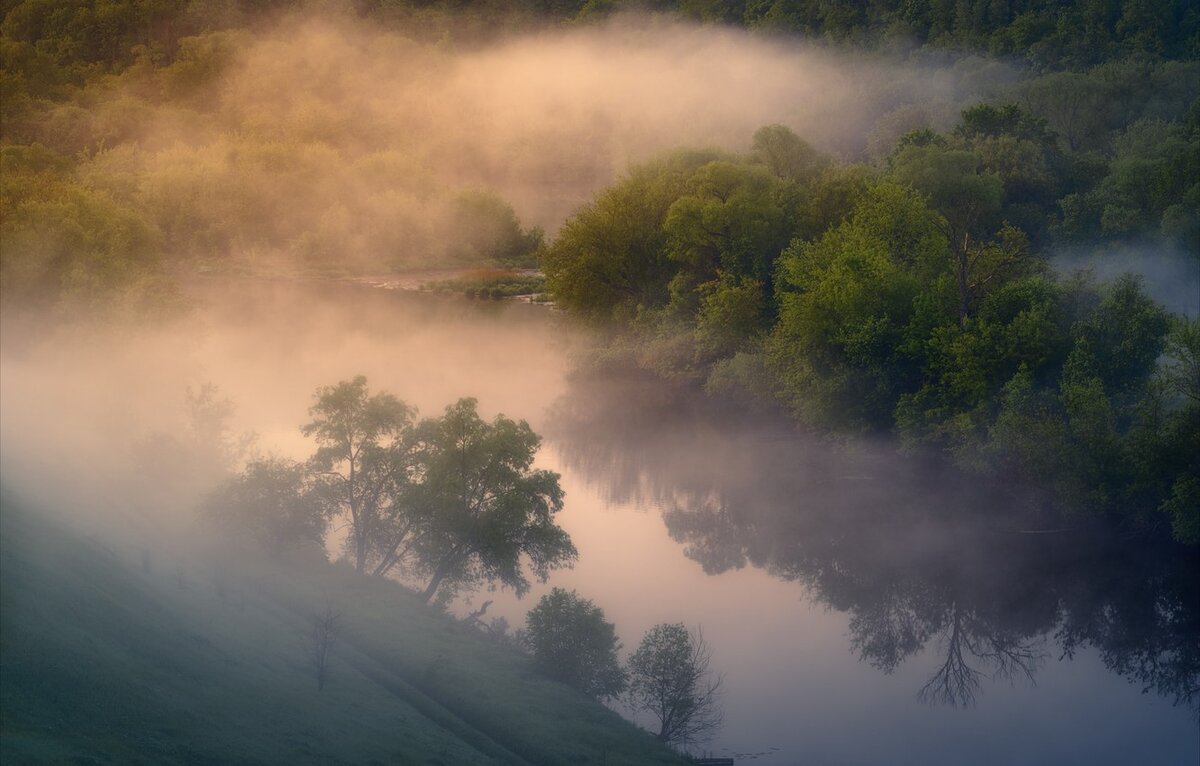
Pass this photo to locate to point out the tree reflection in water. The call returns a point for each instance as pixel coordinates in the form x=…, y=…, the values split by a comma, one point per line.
x=914, y=552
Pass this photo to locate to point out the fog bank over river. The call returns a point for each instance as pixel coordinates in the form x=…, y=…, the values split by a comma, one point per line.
x=863, y=608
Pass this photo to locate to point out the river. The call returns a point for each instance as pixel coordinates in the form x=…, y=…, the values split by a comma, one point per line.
x=862, y=607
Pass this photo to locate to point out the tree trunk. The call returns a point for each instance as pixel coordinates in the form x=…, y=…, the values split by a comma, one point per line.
x=439, y=574
x=962, y=259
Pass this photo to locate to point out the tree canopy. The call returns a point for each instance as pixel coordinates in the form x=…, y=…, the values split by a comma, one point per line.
x=488, y=510
x=572, y=642
x=670, y=679
x=453, y=500
x=917, y=296
x=361, y=461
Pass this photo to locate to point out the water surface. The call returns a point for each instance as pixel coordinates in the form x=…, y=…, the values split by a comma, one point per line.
x=863, y=608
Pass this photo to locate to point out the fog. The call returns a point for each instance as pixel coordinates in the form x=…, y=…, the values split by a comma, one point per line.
x=333, y=145
x=1172, y=278
x=77, y=407
x=336, y=145
x=339, y=147
x=833, y=582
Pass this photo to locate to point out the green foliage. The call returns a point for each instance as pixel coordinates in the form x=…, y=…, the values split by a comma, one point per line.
x=732, y=220
x=66, y=244
x=490, y=284
x=270, y=502
x=362, y=463
x=731, y=312
x=489, y=512
x=919, y=302
x=1183, y=507
x=785, y=154
x=955, y=184
x=670, y=679
x=1119, y=344
x=452, y=499
x=1151, y=188
x=610, y=260
x=483, y=227
x=573, y=643
x=844, y=304
x=832, y=196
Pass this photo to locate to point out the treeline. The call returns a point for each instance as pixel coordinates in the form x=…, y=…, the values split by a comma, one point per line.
x=131, y=149
x=69, y=40
x=126, y=154
x=915, y=297
x=1050, y=34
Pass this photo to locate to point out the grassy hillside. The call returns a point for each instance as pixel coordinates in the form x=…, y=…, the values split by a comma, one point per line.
x=109, y=657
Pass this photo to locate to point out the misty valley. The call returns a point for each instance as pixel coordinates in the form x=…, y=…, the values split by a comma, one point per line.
x=608, y=382
x=832, y=582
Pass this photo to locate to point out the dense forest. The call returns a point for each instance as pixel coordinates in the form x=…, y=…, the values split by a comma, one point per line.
x=909, y=285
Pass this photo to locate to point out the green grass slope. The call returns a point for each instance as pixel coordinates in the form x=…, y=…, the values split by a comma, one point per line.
x=195, y=659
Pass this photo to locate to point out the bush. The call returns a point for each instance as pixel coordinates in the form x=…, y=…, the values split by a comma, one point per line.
x=573, y=643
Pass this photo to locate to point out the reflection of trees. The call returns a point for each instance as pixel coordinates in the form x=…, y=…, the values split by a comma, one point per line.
x=915, y=557
x=957, y=681
x=1146, y=629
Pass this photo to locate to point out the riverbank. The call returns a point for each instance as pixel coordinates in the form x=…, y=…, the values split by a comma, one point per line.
x=154, y=654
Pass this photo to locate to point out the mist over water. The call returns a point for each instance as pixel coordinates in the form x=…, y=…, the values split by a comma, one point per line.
x=842, y=587
x=75, y=406
x=849, y=588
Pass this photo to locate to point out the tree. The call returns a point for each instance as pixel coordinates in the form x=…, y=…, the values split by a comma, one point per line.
x=270, y=502
x=732, y=220
x=845, y=303
x=573, y=643
x=610, y=259
x=486, y=507
x=483, y=227
x=967, y=200
x=786, y=155
x=362, y=460
x=189, y=461
x=669, y=678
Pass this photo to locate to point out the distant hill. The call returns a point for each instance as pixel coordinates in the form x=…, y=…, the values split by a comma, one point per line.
x=109, y=655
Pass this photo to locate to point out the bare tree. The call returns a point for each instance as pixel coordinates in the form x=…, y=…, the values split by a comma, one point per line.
x=670, y=679
x=324, y=635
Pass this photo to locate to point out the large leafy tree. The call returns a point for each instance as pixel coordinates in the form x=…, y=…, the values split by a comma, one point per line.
x=845, y=303
x=731, y=223
x=967, y=199
x=363, y=463
x=487, y=509
x=610, y=260
x=573, y=643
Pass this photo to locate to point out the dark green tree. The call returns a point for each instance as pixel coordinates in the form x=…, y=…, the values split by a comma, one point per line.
x=487, y=509
x=785, y=154
x=968, y=199
x=573, y=643
x=610, y=260
x=732, y=222
x=845, y=301
x=670, y=679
